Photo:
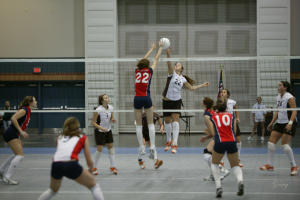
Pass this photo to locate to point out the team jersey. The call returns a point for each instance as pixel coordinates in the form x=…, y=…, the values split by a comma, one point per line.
x=224, y=127
x=283, y=102
x=105, y=117
x=259, y=115
x=230, y=104
x=23, y=121
x=143, y=81
x=68, y=148
x=173, y=87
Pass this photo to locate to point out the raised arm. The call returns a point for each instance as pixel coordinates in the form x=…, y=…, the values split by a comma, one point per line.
x=170, y=68
x=150, y=50
x=87, y=155
x=195, y=87
x=157, y=57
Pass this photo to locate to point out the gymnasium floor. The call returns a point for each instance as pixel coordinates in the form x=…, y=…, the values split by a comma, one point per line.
x=181, y=176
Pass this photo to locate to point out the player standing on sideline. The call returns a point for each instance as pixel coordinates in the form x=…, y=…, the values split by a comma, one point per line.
x=284, y=129
x=103, y=133
x=172, y=101
x=142, y=100
x=258, y=119
x=20, y=121
x=65, y=161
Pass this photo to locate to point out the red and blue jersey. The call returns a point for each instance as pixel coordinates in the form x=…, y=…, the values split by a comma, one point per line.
x=209, y=112
x=224, y=127
x=143, y=81
x=23, y=121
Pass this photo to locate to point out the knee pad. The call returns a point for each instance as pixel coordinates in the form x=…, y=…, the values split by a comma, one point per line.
x=271, y=146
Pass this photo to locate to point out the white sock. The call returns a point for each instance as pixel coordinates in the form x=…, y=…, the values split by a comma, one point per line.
x=152, y=135
x=6, y=163
x=271, y=151
x=155, y=154
x=289, y=152
x=48, y=194
x=207, y=159
x=97, y=156
x=13, y=164
x=139, y=135
x=111, y=155
x=239, y=146
x=97, y=192
x=237, y=171
x=142, y=152
x=216, y=172
x=168, y=128
x=175, y=126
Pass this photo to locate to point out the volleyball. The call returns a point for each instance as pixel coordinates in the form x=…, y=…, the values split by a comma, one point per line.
x=165, y=42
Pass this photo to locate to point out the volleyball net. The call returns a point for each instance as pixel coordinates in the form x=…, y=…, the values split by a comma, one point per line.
x=70, y=87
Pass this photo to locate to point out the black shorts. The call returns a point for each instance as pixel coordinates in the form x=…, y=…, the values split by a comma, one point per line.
x=206, y=151
x=142, y=102
x=69, y=169
x=10, y=134
x=229, y=147
x=171, y=105
x=146, y=133
x=281, y=129
x=103, y=138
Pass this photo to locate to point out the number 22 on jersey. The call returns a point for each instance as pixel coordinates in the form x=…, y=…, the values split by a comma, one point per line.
x=142, y=77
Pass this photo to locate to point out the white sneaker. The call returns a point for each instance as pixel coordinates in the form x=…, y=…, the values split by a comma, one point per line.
x=9, y=181
x=249, y=138
x=262, y=138
x=209, y=178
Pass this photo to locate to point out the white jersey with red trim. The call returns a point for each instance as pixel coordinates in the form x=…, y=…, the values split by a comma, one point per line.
x=68, y=148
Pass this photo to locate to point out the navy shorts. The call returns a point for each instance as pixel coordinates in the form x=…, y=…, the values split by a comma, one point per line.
x=229, y=147
x=10, y=134
x=142, y=102
x=69, y=169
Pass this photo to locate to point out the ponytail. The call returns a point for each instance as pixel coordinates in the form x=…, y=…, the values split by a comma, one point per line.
x=288, y=87
x=26, y=101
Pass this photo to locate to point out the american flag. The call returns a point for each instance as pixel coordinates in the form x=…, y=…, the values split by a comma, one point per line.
x=221, y=85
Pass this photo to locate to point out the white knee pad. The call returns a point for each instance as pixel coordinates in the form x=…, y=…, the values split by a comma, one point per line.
x=271, y=146
x=286, y=148
x=207, y=157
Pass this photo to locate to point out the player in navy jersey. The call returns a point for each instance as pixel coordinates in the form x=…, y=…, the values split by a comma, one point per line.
x=222, y=126
x=284, y=128
x=142, y=100
x=65, y=161
x=20, y=121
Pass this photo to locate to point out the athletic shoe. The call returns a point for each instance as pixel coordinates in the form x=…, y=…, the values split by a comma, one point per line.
x=262, y=138
x=174, y=149
x=10, y=181
x=294, y=171
x=151, y=155
x=240, y=189
x=141, y=164
x=219, y=192
x=158, y=163
x=95, y=171
x=114, y=170
x=209, y=178
x=249, y=138
x=168, y=144
x=267, y=167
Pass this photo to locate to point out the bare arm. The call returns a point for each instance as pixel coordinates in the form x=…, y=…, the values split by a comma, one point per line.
x=87, y=155
x=292, y=104
x=195, y=87
x=156, y=58
x=237, y=114
x=14, y=120
x=210, y=127
x=94, y=122
x=170, y=68
x=112, y=118
x=150, y=50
